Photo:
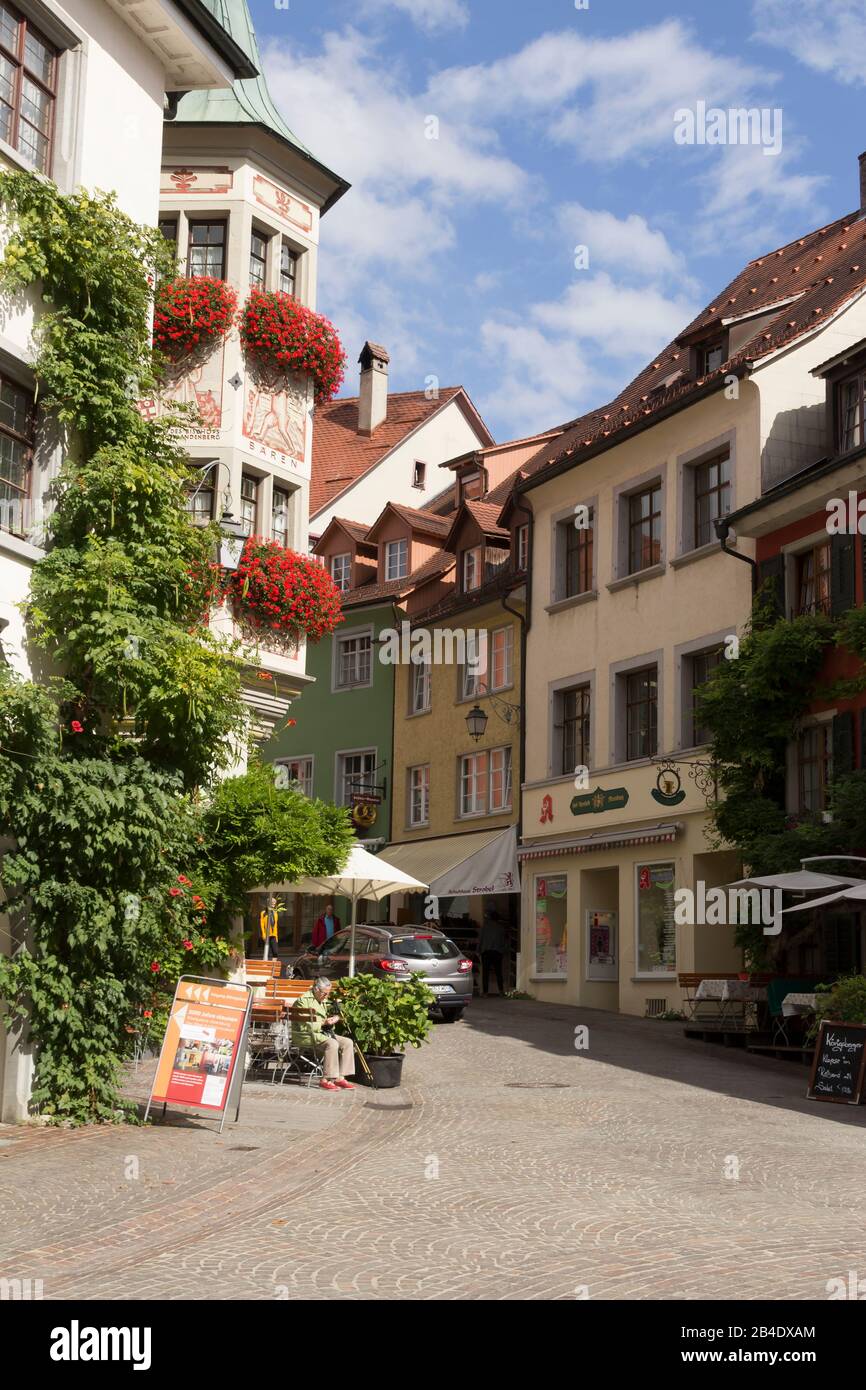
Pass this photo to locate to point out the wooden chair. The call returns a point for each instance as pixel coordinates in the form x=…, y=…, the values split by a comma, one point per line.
x=301, y=1059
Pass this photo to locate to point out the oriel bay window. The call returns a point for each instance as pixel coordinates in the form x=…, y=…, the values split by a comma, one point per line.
x=249, y=503
x=280, y=516
x=288, y=269
x=16, y=453
x=258, y=259
x=28, y=88
x=207, y=249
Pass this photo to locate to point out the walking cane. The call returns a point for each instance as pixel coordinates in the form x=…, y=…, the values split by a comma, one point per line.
x=357, y=1046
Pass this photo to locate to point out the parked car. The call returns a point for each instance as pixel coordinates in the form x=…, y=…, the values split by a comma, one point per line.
x=393, y=952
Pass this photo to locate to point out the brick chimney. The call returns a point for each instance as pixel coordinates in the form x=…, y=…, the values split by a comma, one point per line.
x=863, y=184
x=373, y=394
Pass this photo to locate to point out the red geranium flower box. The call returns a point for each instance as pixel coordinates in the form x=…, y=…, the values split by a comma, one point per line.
x=285, y=336
x=275, y=589
x=192, y=313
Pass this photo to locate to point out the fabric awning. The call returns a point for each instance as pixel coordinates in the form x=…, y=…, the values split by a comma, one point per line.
x=660, y=834
x=459, y=866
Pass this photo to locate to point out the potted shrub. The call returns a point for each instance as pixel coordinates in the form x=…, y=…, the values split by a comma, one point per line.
x=191, y=314
x=842, y=1002
x=281, y=335
x=385, y=1017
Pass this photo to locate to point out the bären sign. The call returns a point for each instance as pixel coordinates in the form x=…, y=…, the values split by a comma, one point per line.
x=839, y=1064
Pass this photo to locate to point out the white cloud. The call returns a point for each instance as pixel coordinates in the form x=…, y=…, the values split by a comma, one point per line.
x=749, y=197
x=572, y=354
x=628, y=243
x=607, y=98
x=826, y=35
x=430, y=15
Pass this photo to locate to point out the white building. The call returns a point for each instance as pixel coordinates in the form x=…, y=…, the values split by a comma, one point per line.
x=241, y=199
x=83, y=88
x=379, y=447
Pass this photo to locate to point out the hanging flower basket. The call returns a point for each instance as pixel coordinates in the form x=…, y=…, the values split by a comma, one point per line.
x=277, y=590
x=191, y=314
x=283, y=336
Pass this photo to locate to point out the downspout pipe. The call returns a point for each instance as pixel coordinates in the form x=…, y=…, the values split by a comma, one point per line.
x=723, y=530
x=524, y=619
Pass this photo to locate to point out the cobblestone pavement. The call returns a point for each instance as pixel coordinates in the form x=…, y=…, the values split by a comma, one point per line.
x=508, y=1166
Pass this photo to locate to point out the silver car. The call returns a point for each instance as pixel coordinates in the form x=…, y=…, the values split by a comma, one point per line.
x=396, y=952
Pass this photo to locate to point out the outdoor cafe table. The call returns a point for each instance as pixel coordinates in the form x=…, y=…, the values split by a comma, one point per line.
x=799, y=1003
x=729, y=994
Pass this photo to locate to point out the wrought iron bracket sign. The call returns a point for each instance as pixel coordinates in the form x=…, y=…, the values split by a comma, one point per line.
x=592, y=803
x=668, y=790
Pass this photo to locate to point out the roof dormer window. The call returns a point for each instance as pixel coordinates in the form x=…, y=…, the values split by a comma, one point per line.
x=850, y=407
x=710, y=357
x=396, y=559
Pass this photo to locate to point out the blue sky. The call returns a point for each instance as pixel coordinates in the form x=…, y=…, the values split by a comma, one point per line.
x=556, y=130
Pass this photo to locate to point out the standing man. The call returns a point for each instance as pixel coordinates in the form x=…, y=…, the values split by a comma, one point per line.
x=325, y=927
x=309, y=1034
x=492, y=945
x=269, y=929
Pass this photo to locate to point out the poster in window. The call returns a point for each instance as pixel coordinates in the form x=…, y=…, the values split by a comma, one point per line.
x=601, y=943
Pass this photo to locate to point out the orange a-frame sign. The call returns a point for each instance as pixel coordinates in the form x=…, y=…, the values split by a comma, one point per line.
x=202, y=1055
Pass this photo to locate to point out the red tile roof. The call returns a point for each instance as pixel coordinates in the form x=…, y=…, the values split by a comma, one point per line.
x=822, y=270
x=341, y=455
x=395, y=589
x=487, y=515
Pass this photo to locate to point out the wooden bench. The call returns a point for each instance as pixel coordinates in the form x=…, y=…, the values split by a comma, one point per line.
x=256, y=970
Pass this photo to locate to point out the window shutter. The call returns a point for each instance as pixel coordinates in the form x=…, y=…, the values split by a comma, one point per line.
x=841, y=574
x=843, y=744
x=774, y=571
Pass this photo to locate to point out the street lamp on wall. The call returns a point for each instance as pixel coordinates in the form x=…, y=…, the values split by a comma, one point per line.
x=233, y=533
x=476, y=722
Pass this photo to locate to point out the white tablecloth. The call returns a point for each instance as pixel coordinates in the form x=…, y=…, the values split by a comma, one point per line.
x=730, y=991
x=793, y=1004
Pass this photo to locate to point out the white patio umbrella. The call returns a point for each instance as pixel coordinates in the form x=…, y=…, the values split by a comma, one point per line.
x=797, y=881
x=855, y=894
x=364, y=875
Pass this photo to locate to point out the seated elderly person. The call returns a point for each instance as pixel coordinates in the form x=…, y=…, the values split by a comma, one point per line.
x=338, y=1053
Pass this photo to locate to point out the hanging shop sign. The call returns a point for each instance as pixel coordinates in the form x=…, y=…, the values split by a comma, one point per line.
x=668, y=789
x=591, y=803
x=201, y=1062
x=365, y=810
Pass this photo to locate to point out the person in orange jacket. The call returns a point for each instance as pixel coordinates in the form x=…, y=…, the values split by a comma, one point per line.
x=269, y=929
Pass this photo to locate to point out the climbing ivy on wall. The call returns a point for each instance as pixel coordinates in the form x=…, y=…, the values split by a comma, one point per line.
x=117, y=881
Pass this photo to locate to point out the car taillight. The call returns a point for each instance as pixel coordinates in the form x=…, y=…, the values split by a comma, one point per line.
x=464, y=966
x=385, y=964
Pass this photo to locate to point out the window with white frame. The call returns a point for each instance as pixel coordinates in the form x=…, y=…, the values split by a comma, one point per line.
x=249, y=503
x=396, y=559
x=471, y=569
x=280, y=516
x=474, y=771
x=299, y=770
x=485, y=782
x=288, y=269
x=354, y=661
x=341, y=571
x=258, y=259
x=501, y=644
x=474, y=671
x=355, y=774
x=419, y=795
x=420, y=697
x=500, y=779
x=522, y=536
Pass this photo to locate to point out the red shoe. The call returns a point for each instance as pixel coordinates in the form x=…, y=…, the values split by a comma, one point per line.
x=328, y=1085
x=344, y=1085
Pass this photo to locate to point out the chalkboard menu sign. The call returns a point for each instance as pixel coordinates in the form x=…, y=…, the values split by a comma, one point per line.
x=840, y=1063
